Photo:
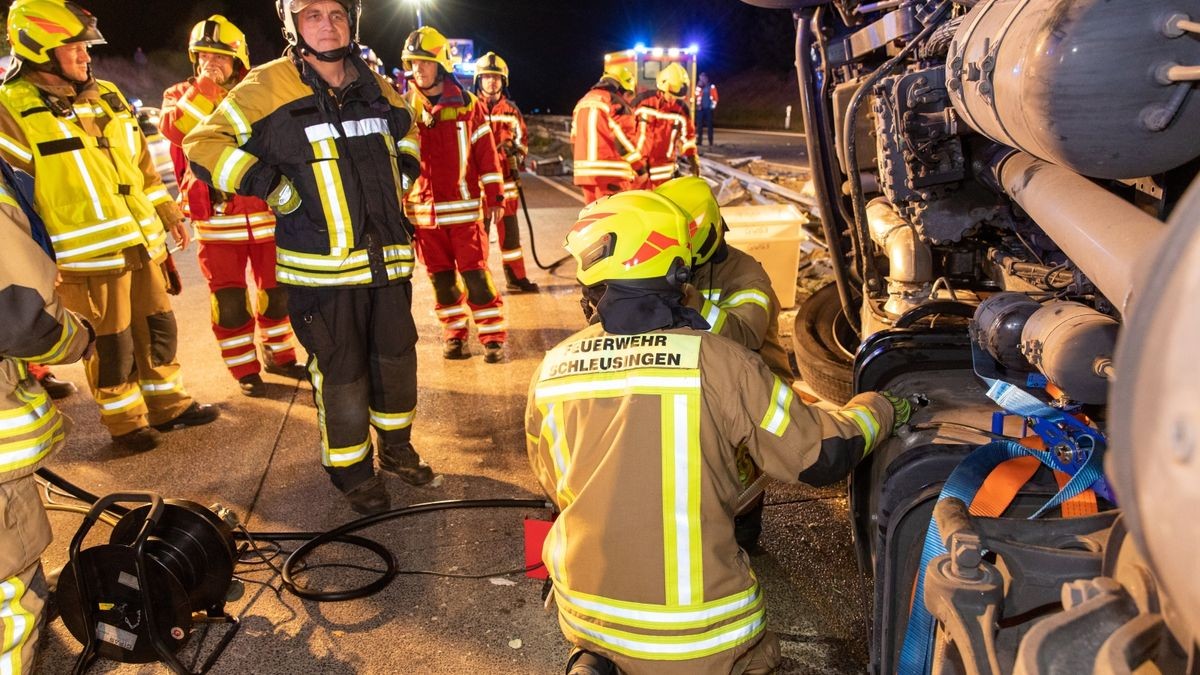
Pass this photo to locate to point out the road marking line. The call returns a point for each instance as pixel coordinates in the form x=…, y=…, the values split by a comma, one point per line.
x=792, y=134
x=558, y=186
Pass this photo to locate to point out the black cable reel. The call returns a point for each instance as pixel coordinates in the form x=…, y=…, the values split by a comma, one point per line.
x=167, y=566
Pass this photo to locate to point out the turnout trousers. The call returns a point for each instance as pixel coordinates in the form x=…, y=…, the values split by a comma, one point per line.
x=25, y=531
x=134, y=375
x=508, y=234
x=234, y=316
x=362, y=358
x=447, y=253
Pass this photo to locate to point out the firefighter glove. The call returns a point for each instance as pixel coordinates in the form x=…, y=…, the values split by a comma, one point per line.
x=284, y=198
x=901, y=407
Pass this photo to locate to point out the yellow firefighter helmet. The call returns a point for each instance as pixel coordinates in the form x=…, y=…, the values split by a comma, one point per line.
x=705, y=226
x=218, y=35
x=37, y=27
x=630, y=237
x=491, y=64
x=673, y=81
x=427, y=44
x=622, y=75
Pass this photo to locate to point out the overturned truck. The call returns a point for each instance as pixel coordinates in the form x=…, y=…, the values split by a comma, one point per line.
x=1008, y=188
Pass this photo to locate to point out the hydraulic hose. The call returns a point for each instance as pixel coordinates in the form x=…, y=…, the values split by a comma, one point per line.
x=343, y=534
x=529, y=227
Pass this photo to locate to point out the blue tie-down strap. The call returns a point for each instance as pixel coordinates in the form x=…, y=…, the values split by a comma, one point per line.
x=963, y=484
x=1072, y=444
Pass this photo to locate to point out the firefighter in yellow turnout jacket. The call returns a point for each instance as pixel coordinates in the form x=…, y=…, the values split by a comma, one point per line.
x=36, y=328
x=636, y=419
x=333, y=148
x=107, y=213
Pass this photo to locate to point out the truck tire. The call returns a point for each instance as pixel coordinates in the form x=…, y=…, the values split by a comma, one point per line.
x=821, y=339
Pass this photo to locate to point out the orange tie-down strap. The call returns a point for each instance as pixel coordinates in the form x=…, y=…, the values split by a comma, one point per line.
x=1005, y=481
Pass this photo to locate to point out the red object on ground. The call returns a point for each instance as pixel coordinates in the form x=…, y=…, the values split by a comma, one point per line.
x=535, y=535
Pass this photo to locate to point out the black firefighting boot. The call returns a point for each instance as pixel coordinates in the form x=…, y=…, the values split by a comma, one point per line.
x=587, y=663
x=516, y=284
x=455, y=349
x=369, y=496
x=403, y=460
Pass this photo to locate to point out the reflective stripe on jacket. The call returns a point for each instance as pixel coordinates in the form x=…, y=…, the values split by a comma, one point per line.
x=604, y=136
x=36, y=328
x=349, y=154
x=740, y=304
x=665, y=132
x=235, y=218
x=96, y=187
x=634, y=438
x=461, y=174
x=712, y=97
x=512, y=137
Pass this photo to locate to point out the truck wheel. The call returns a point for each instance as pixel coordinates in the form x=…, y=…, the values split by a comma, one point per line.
x=824, y=343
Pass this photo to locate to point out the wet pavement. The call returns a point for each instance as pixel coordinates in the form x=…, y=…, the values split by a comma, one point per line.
x=261, y=459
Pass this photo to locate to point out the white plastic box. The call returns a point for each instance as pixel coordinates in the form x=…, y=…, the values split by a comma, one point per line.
x=772, y=234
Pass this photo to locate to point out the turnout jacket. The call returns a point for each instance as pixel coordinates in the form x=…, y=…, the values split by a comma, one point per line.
x=218, y=217
x=350, y=155
x=512, y=138
x=634, y=438
x=460, y=170
x=36, y=328
x=739, y=303
x=97, y=189
x=604, y=138
x=665, y=132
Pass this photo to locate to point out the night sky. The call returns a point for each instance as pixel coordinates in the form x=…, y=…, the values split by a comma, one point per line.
x=554, y=47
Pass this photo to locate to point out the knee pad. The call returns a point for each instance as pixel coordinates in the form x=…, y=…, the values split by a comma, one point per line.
x=231, y=307
x=272, y=303
x=512, y=234
x=480, y=290
x=445, y=287
x=115, y=355
x=164, y=337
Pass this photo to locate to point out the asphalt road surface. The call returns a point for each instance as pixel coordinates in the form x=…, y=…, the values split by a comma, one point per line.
x=773, y=146
x=261, y=459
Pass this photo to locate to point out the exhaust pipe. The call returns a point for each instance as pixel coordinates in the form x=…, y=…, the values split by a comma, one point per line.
x=910, y=262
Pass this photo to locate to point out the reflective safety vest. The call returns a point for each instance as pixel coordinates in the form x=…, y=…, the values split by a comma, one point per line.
x=634, y=438
x=237, y=218
x=665, y=132
x=89, y=189
x=604, y=137
x=508, y=126
x=460, y=169
x=36, y=328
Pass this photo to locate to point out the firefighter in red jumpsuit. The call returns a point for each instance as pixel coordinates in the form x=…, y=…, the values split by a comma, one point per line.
x=508, y=126
x=666, y=130
x=460, y=185
x=604, y=135
x=234, y=231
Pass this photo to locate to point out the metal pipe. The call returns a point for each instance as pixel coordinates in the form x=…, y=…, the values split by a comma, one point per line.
x=910, y=260
x=817, y=155
x=1173, y=72
x=1103, y=234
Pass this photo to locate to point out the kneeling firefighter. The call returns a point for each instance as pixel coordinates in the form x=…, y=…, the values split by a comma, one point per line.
x=234, y=232
x=641, y=414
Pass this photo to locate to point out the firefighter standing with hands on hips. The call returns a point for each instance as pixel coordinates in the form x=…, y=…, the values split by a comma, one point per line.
x=460, y=185
x=508, y=126
x=36, y=328
x=638, y=418
x=332, y=148
x=107, y=213
x=665, y=128
x=232, y=230
x=604, y=137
